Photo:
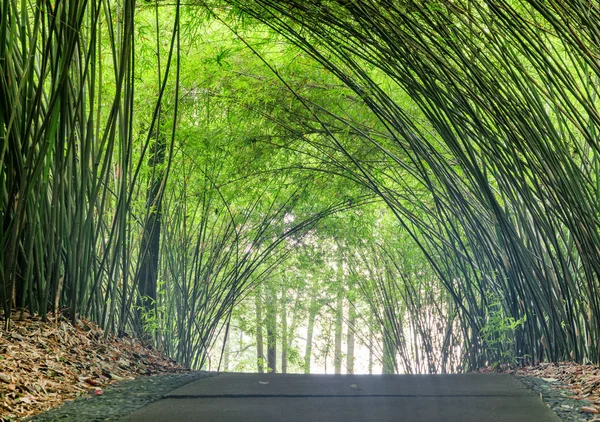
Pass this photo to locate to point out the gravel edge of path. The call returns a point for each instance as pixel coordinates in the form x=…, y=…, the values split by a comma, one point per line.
x=558, y=398
x=120, y=399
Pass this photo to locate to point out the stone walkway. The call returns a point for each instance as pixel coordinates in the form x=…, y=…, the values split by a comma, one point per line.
x=349, y=398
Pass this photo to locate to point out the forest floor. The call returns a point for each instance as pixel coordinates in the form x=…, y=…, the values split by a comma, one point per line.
x=577, y=384
x=44, y=364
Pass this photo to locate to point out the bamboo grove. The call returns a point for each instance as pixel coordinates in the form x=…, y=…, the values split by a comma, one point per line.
x=147, y=194
x=508, y=151
x=95, y=172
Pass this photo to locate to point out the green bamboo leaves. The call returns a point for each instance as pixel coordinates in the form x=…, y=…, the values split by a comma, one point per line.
x=120, y=200
x=508, y=154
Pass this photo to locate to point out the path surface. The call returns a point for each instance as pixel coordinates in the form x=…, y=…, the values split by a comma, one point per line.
x=349, y=398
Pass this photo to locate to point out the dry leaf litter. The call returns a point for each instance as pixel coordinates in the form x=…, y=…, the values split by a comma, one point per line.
x=44, y=364
x=570, y=389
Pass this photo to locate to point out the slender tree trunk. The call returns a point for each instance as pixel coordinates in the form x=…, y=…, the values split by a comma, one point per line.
x=350, y=339
x=260, y=351
x=389, y=347
x=327, y=348
x=150, y=244
x=339, y=316
x=284, y=331
x=370, y=352
x=312, y=314
x=271, y=324
x=226, y=351
x=371, y=342
x=389, y=355
x=296, y=317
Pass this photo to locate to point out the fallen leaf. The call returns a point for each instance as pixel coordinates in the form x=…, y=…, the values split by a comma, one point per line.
x=589, y=409
x=263, y=382
x=92, y=382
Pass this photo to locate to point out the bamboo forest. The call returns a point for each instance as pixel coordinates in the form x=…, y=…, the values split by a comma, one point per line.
x=330, y=186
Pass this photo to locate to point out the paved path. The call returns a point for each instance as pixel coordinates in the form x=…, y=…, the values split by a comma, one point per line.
x=349, y=398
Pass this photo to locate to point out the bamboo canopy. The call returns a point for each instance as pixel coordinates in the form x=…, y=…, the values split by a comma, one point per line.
x=491, y=163
x=508, y=152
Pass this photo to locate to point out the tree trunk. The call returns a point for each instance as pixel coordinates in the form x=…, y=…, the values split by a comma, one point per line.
x=312, y=314
x=271, y=323
x=350, y=339
x=370, y=351
x=147, y=275
x=284, y=331
x=226, y=351
x=296, y=317
x=260, y=351
x=339, y=316
x=389, y=346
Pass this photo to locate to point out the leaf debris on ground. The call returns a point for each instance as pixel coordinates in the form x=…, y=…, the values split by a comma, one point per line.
x=43, y=364
x=581, y=382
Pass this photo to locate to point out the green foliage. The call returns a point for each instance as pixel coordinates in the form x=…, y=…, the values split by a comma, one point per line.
x=151, y=315
x=475, y=125
x=498, y=333
x=491, y=165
